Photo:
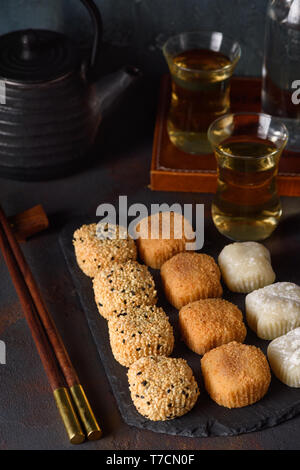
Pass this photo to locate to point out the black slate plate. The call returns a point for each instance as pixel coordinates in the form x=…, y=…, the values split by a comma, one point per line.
x=206, y=418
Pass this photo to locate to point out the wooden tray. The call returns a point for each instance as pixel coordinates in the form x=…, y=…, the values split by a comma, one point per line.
x=174, y=170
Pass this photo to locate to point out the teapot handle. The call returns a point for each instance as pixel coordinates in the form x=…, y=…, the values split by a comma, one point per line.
x=98, y=29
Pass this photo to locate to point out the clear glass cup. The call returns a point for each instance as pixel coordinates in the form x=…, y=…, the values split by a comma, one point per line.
x=247, y=147
x=201, y=65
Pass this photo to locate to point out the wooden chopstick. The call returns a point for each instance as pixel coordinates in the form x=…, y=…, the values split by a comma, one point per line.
x=88, y=419
x=27, y=223
x=53, y=372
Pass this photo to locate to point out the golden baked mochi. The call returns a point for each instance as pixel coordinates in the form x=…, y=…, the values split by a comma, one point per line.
x=172, y=233
x=235, y=374
x=190, y=276
x=208, y=323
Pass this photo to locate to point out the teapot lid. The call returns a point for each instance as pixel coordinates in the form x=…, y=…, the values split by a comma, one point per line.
x=36, y=56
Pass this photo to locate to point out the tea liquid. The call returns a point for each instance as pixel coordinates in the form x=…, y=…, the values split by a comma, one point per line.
x=246, y=204
x=200, y=94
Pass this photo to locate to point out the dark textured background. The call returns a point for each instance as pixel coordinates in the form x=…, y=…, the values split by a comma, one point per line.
x=134, y=30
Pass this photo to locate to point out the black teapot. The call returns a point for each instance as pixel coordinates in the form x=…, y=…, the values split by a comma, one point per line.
x=50, y=103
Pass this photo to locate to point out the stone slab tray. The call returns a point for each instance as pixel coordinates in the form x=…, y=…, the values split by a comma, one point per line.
x=206, y=418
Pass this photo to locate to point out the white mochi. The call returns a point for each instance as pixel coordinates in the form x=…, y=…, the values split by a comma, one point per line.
x=284, y=357
x=274, y=310
x=246, y=266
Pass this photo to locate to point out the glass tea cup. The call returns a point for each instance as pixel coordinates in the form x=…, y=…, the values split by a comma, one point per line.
x=201, y=65
x=247, y=148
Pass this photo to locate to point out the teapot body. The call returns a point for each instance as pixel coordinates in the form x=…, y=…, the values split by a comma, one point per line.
x=51, y=104
x=47, y=121
x=45, y=126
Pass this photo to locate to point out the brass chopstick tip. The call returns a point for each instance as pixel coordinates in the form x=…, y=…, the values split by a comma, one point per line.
x=94, y=435
x=86, y=414
x=77, y=438
x=69, y=417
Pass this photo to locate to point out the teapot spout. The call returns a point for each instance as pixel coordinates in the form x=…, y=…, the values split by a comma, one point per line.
x=110, y=89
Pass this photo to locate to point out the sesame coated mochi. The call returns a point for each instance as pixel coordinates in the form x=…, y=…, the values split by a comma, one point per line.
x=142, y=332
x=163, y=235
x=123, y=286
x=190, y=276
x=284, y=358
x=162, y=388
x=246, y=266
x=274, y=310
x=97, y=246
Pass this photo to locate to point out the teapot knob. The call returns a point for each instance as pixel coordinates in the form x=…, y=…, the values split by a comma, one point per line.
x=29, y=42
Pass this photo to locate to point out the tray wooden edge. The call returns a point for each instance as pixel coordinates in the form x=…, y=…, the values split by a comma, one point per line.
x=197, y=181
x=207, y=182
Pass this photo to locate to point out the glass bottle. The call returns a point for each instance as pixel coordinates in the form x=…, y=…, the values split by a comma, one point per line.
x=281, y=68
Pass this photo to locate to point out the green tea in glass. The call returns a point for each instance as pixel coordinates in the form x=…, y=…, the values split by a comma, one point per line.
x=201, y=65
x=247, y=147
